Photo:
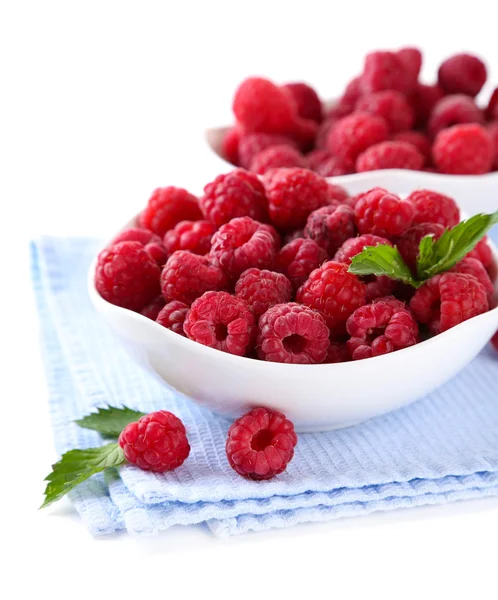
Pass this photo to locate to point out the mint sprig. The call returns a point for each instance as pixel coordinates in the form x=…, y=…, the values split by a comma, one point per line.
x=110, y=421
x=382, y=260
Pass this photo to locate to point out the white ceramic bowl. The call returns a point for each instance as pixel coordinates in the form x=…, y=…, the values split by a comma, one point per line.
x=314, y=397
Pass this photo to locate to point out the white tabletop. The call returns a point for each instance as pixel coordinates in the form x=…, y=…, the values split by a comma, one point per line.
x=102, y=102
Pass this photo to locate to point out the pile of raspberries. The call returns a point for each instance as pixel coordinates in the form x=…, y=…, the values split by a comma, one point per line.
x=385, y=119
x=258, y=267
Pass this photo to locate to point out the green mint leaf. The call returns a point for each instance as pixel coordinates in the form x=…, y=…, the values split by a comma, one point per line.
x=77, y=465
x=110, y=421
x=437, y=256
x=382, y=260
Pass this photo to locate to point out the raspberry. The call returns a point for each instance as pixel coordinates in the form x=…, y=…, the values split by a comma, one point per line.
x=157, y=442
x=307, y=101
x=262, y=289
x=492, y=129
x=241, y=244
x=453, y=110
x=417, y=139
x=316, y=157
x=253, y=143
x=423, y=100
x=276, y=157
x=483, y=252
x=167, y=207
x=408, y=244
x=462, y=74
x=463, y=150
x=352, y=93
x=392, y=106
x=380, y=328
x=221, y=321
x=330, y=226
x=354, y=246
x=152, y=309
x=333, y=292
x=187, y=276
x=353, y=134
x=292, y=333
x=388, y=71
x=473, y=266
x=172, y=316
x=127, y=276
x=235, y=194
x=260, y=444
x=384, y=214
x=293, y=194
x=230, y=145
x=339, y=109
x=190, y=235
x=392, y=301
x=433, y=207
x=447, y=300
x=324, y=129
x=390, y=155
x=298, y=259
x=337, y=352
x=327, y=165
x=492, y=108
x=337, y=194
x=494, y=341
x=152, y=243
x=412, y=62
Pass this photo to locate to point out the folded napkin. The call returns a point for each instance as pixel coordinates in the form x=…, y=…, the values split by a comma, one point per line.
x=443, y=447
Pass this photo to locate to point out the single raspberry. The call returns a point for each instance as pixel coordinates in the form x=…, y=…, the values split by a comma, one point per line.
x=221, y=321
x=473, y=266
x=241, y=244
x=172, y=316
x=168, y=206
x=190, y=235
x=187, y=276
x=327, y=165
x=380, y=328
x=127, y=276
x=463, y=150
x=408, y=244
x=260, y=444
x=337, y=352
x=494, y=341
x=330, y=226
x=230, y=145
x=152, y=309
x=381, y=213
x=483, y=252
x=337, y=194
x=324, y=129
x=293, y=194
x=453, y=110
x=388, y=71
x=390, y=155
x=352, y=93
x=417, y=139
x=253, y=143
x=262, y=289
x=276, y=157
x=339, y=109
x=492, y=108
x=235, y=194
x=307, y=101
x=423, y=100
x=333, y=292
x=157, y=442
x=292, y=333
x=462, y=74
x=316, y=157
x=447, y=300
x=492, y=129
x=298, y=258
x=412, y=61
x=152, y=243
x=392, y=106
x=353, y=134
x=433, y=207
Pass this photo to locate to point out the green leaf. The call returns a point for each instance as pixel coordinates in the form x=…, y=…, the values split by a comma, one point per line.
x=382, y=260
x=76, y=466
x=437, y=256
x=110, y=421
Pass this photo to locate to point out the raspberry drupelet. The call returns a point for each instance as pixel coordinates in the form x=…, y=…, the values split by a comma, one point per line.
x=168, y=206
x=330, y=226
x=262, y=289
x=380, y=213
x=172, y=316
x=194, y=236
x=298, y=258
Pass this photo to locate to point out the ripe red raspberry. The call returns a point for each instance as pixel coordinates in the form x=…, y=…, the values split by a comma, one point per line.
x=127, y=276
x=433, y=207
x=494, y=341
x=172, y=316
x=327, y=165
x=187, y=276
x=307, y=101
x=190, y=235
x=453, y=110
x=260, y=444
x=388, y=71
x=338, y=195
x=463, y=150
x=230, y=145
x=152, y=243
x=337, y=352
x=392, y=106
x=262, y=289
x=157, y=442
x=383, y=214
x=221, y=321
x=323, y=132
x=292, y=333
x=316, y=157
x=462, y=74
x=380, y=328
x=333, y=292
x=393, y=302
x=276, y=157
x=152, y=309
x=168, y=206
x=408, y=244
x=412, y=61
x=417, y=139
x=473, y=266
x=355, y=245
x=339, y=109
x=298, y=258
x=352, y=93
x=492, y=129
x=293, y=194
x=241, y=244
x=482, y=251
x=423, y=100
x=330, y=226
x=390, y=155
x=492, y=108
x=235, y=194
x=353, y=134
x=252, y=143
x=447, y=300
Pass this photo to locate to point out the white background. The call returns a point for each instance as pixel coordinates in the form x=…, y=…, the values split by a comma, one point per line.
x=100, y=103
